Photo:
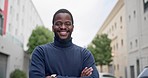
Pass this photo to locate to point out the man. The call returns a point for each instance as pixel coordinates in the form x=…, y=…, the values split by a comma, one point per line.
x=62, y=58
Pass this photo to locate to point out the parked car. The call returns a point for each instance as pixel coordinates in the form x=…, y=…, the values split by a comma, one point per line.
x=144, y=73
x=106, y=75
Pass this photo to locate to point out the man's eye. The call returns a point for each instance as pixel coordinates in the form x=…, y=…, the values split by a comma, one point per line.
x=58, y=24
x=68, y=24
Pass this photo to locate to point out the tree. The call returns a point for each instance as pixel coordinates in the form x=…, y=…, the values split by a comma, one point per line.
x=18, y=74
x=100, y=48
x=40, y=35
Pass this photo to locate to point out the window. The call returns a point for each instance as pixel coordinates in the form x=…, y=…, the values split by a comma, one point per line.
x=129, y=17
x=120, y=18
x=115, y=25
x=134, y=13
x=121, y=42
x=138, y=67
x=145, y=18
x=131, y=45
x=118, y=66
x=121, y=26
x=112, y=28
x=10, y=29
x=132, y=72
x=145, y=3
x=114, y=67
x=117, y=45
x=1, y=24
x=136, y=42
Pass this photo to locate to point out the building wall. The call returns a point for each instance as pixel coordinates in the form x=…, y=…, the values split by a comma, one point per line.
x=14, y=52
x=115, y=27
x=20, y=18
x=137, y=37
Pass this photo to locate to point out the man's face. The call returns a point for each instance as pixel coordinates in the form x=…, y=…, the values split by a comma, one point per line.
x=63, y=26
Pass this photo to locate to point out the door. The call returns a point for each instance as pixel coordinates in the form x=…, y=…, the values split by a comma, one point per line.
x=3, y=65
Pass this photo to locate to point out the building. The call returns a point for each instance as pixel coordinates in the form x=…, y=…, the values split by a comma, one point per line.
x=137, y=36
x=115, y=27
x=17, y=20
x=127, y=26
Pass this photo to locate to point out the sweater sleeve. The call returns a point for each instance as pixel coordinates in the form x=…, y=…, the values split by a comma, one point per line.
x=37, y=65
x=88, y=61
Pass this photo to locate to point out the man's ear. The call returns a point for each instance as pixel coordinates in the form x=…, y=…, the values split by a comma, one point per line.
x=52, y=29
x=72, y=28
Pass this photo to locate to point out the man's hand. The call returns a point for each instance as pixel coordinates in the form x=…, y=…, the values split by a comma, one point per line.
x=86, y=71
x=48, y=76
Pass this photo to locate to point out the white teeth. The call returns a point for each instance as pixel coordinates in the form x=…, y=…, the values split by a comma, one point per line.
x=63, y=33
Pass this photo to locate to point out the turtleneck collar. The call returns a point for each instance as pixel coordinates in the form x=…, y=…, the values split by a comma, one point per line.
x=62, y=43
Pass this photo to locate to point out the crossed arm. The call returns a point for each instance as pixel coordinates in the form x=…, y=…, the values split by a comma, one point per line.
x=86, y=72
x=37, y=71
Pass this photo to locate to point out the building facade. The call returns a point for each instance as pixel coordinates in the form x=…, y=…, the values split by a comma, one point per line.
x=127, y=26
x=17, y=20
x=137, y=35
x=115, y=27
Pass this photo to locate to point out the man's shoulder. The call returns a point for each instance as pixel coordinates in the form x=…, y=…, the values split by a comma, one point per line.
x=83, y=49
x=43, y=46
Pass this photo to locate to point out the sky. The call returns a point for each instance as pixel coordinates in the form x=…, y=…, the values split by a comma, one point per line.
x=88, y=16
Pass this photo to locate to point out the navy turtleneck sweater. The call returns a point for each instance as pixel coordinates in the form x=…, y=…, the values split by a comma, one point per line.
x=63, y=58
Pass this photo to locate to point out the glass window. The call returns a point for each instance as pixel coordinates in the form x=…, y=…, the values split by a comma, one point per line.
x=145, y=5
x=120, y=18
x=131, y=45
x=129, y=17
x=117, y=45
x=122, y=42
x=115, y=25
x=134, y=13
x=1, y=24
x=136, y=42
x=121, y=27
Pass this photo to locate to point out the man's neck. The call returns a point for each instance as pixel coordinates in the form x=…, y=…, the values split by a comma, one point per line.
x=62, y=42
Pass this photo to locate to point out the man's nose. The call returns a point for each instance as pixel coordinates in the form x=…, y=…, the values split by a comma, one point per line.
x=63, y=26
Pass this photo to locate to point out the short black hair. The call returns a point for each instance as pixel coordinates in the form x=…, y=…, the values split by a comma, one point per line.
x=62, y=11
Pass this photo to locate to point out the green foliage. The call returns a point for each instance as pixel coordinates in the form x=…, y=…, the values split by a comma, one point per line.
x=18, y=74
x=100, y=48
x=40, y=35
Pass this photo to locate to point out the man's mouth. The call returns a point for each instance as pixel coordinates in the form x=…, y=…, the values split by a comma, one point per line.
x=63, y=33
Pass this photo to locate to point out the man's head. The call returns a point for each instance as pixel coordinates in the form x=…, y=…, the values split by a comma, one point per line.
x=62, y=24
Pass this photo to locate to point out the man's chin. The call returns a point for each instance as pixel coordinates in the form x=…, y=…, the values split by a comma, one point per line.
x=63, y=38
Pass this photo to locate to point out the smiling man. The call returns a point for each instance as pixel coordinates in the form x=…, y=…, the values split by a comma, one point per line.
x=62, y=58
